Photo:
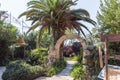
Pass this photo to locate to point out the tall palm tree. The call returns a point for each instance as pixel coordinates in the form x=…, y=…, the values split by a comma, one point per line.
x=56, y=16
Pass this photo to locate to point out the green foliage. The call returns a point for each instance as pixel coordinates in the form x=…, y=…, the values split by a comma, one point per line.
x=75, y=58
x=109, y=21
x=53, y=70
x=17, y=53
x=114, y=49
x=56, y=17
x=77, y=72
x=46, y=39
x=8, y=35
x=114, y=62
x=20, y=70
x=8, y=32
x=68, y=58
x=56, y=68
x=109, y=17
x=31, y=36
x=30, y=39
x=38, y=57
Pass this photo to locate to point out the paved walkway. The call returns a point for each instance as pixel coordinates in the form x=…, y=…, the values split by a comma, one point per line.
x=64, y=75
x=2, y=69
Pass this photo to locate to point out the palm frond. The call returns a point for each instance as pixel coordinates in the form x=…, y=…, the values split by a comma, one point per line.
x=89, y=20
x=76, y=27
x=23, y=14
x=85, y=27
x=83, y=32
x=34, y=26
x=38, y=6
x=80, y=12
x=86, y=19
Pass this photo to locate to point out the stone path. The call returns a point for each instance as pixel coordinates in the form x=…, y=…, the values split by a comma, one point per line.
x=2, y=69
x=64, y=75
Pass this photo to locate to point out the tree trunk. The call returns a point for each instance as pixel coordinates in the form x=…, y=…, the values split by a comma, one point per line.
x=38, y=42
x=57, y=33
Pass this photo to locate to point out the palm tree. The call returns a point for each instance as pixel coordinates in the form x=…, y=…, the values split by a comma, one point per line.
x=56, y=16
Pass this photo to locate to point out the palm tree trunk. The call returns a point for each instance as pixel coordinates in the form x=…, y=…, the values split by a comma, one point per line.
x=57, y=34
x=37, y=43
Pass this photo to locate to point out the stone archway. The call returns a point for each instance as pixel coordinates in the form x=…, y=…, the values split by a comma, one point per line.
x=69, y=36
x=54, y=52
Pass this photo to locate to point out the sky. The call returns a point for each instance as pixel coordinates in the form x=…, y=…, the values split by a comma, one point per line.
x=16, y=7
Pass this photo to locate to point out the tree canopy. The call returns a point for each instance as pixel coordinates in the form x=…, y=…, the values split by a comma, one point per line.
x=56, y=16
x=109, y=17
x=8, y=32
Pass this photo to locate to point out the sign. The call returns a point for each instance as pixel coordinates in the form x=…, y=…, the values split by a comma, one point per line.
x=110, y=37
x=102, y=73
x=114, y=73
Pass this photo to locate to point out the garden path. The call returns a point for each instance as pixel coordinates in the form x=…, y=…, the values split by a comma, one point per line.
x=64, y=75
x=2, y=69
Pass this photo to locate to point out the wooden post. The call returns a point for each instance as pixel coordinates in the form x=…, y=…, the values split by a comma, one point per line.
x=106, y=59
x=100, y=58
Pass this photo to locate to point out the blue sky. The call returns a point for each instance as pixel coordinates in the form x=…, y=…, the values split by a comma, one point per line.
x=92, y=6
x=16, y=7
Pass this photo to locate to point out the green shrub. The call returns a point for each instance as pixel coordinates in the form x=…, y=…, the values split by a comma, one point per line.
x=8, y=35
x=77, y=72
x=4, y=52
x=38, y=57
x=75, y=58
x=20, y=70
x=19, y=53
x=56, y=68
x=52, y=71
x=114, y=62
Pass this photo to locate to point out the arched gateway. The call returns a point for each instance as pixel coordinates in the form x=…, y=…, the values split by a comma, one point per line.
x=55, y=51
